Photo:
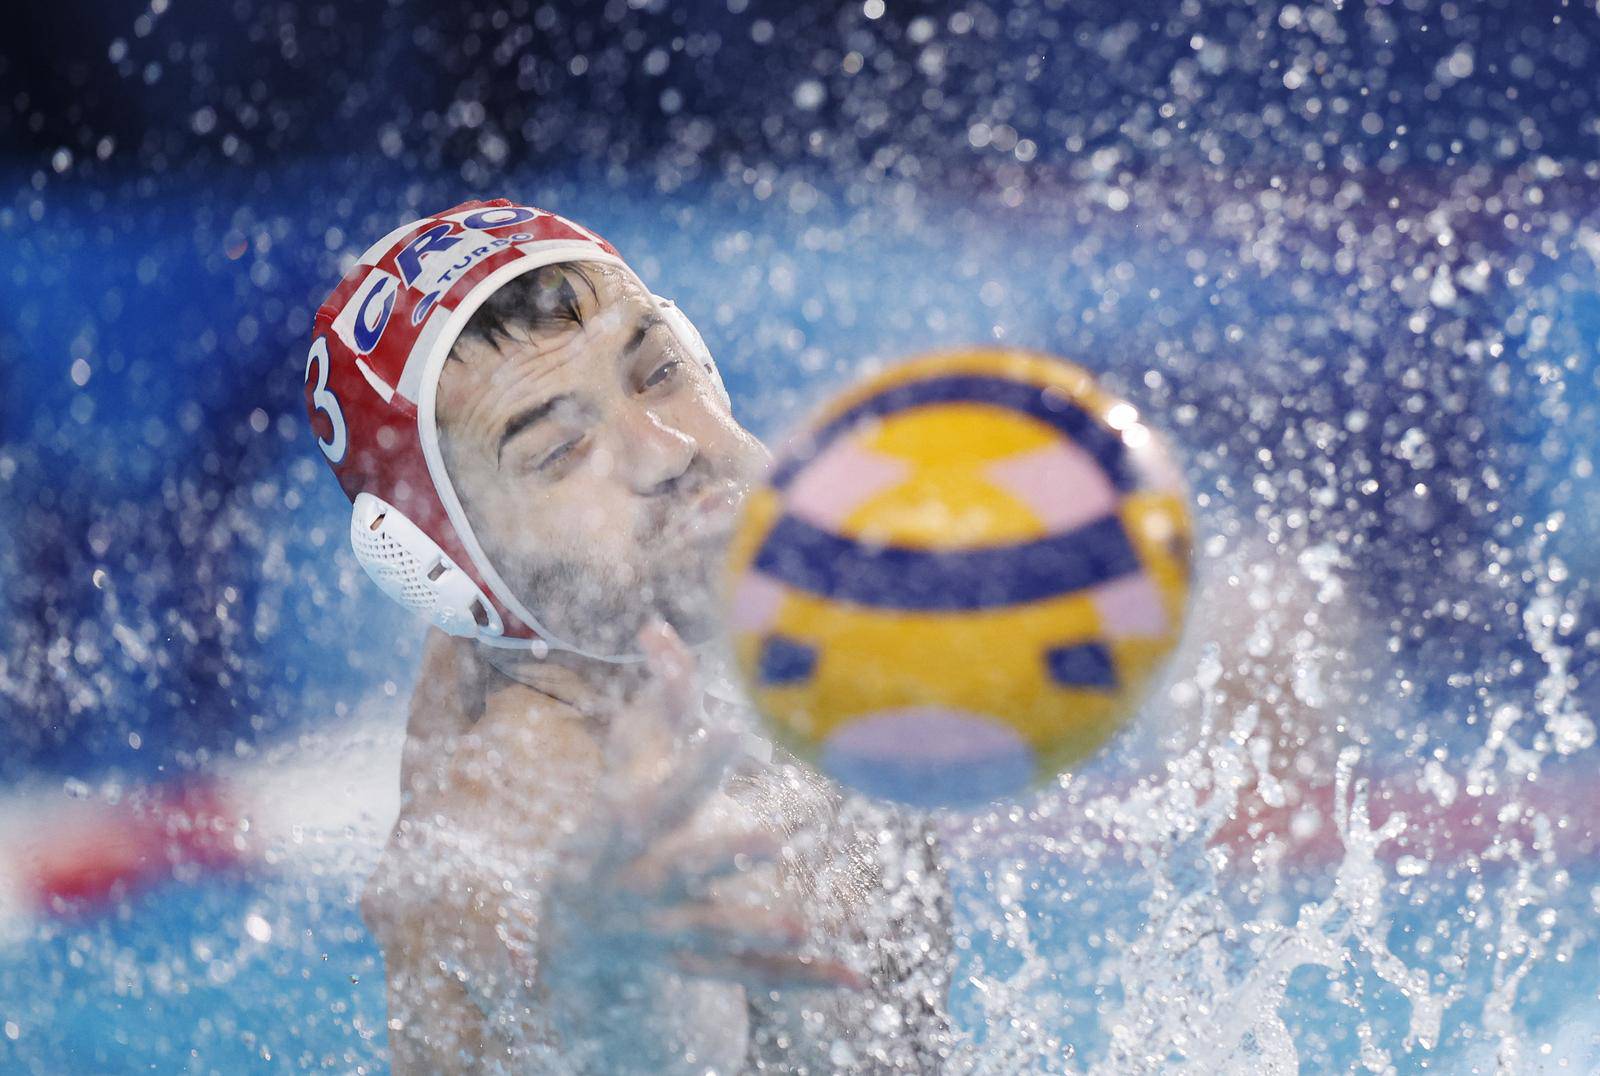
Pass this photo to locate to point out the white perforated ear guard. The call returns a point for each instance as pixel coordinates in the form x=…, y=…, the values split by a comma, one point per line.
x=685, y=331
x=410, y=568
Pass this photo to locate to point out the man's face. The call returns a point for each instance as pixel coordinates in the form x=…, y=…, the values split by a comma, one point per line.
x=597, y=465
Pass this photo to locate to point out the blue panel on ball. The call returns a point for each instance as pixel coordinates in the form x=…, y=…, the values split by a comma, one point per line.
x=894, y=577
x=1052, y=408
x=786, y=661
x=1083, y=665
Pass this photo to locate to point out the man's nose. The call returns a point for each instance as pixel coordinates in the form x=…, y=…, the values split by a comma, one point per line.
x=657, y=452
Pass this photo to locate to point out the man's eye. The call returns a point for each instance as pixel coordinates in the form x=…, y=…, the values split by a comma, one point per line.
x=557, y=454
x=663, y=372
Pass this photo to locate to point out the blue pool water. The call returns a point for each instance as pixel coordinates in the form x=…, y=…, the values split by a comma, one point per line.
x=238, y=975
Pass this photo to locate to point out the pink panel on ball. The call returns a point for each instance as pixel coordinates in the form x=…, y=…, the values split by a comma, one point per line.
x=1130, y=606
x=839, y=481
x=930, y=757
x=1062, y=483
x=756, y=600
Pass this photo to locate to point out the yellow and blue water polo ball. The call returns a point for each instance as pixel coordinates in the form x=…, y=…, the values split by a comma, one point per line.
x=960, y=577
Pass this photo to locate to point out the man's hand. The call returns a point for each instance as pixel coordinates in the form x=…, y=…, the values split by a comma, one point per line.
x=644, y=884
x=533, y=855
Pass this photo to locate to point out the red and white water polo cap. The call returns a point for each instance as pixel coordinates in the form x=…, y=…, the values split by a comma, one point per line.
x=378, y=345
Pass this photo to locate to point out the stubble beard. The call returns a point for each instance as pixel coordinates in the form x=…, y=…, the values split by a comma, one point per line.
x=600, y=608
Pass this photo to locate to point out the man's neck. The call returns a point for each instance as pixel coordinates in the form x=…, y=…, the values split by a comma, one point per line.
x=589, y=685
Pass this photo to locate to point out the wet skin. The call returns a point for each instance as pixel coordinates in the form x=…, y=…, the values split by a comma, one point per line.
x=563, y=817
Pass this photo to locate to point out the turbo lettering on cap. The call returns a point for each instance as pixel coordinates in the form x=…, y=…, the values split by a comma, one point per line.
x=431, y=242
x=443, y=275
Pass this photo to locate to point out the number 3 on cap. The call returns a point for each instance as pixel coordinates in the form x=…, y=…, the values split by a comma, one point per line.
x=326, y=402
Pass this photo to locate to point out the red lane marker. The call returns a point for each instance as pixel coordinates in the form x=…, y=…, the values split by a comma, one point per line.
x=112, y=850
x=95, y=853
x=1299, y=826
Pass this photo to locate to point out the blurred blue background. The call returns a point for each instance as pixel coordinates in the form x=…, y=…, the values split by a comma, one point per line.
x=1345, y=255
x=1237, y=212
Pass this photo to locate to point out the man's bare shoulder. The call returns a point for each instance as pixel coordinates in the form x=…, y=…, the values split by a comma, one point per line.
x=494, y=795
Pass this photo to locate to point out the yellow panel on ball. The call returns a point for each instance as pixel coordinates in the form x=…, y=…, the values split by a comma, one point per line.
x=960, y=577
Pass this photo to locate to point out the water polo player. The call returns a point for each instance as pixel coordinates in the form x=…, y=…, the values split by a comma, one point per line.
x=584, y=876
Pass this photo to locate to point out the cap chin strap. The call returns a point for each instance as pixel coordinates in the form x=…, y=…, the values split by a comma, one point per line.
x=685, y=331
x=411, y=570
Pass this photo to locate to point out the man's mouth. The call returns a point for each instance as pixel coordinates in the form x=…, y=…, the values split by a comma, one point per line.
x=709, y=513
x=722, y=499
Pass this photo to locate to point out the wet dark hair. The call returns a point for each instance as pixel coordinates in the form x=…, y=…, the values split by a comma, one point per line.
x=544, y=299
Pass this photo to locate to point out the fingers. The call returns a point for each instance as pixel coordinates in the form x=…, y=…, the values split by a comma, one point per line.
x=664, y=761
x=645, y=818
x=696, y=776
x=665, y=711
x=754, y=945
x=678, y=870
x=762, y=971
x=712, y=927
x=673, y=666
x=636, y=741
x=758, y=947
